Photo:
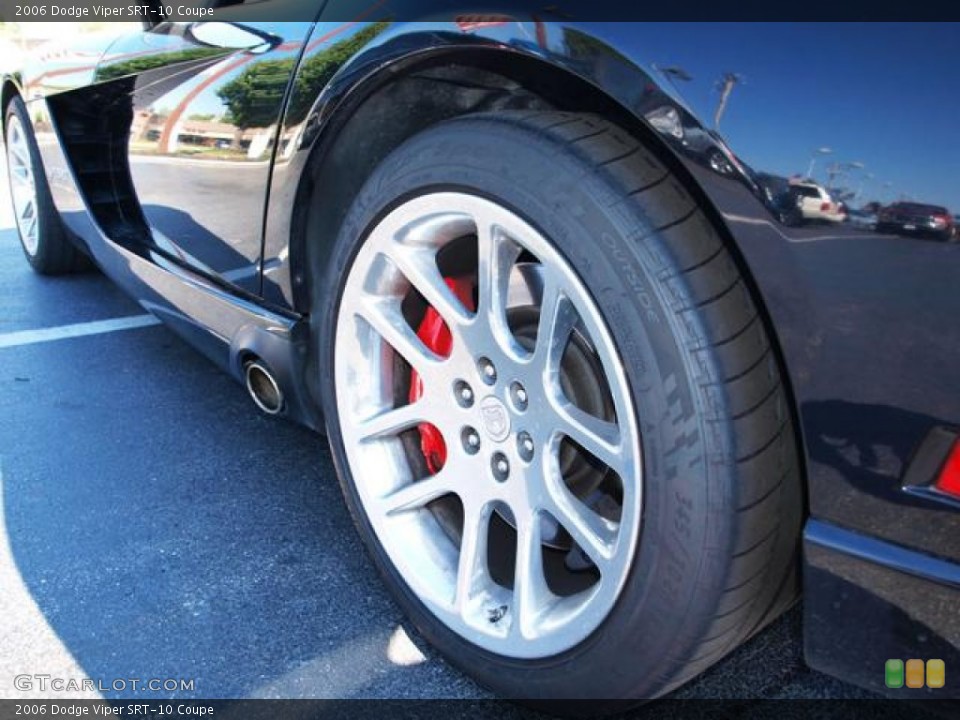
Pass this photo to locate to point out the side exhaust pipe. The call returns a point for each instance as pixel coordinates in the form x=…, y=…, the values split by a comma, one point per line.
x=263, y=388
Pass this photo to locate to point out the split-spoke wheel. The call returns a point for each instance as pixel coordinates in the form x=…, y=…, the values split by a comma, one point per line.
x=556, y=413
x=539, y=551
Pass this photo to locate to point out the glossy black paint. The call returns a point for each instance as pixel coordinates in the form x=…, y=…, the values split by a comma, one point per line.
x=226, y=327
x=866, y=324
x=199, y=154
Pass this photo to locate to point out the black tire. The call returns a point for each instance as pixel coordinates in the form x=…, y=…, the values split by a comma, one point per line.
x=717, y=556
x=54, y=253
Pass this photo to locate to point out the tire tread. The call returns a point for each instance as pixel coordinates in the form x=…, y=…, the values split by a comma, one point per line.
x=763, y=554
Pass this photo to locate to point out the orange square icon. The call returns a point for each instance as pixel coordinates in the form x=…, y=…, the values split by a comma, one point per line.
x=936, y=672
x=915, y=673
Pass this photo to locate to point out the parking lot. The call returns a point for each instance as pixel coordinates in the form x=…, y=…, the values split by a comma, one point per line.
x=153, y=525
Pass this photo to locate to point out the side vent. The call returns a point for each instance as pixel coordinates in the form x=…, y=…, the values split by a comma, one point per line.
x=94, y=124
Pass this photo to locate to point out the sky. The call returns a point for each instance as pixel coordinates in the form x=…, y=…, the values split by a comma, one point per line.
x=886, y=95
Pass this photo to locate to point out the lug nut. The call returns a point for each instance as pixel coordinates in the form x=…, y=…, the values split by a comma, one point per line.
x=471, y=440
x=487, y=371
x=500, y=466
x=519, y=395
x=464, y=393
x=525, y=446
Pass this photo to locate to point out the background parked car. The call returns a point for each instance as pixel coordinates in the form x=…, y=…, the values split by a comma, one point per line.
x=863, y=219
x=917, y=218
x=815, y=203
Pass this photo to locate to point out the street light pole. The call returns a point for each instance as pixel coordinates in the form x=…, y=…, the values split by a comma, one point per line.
x=726, y=85
x=813, y=159
x=833, y=171
x=845, y=169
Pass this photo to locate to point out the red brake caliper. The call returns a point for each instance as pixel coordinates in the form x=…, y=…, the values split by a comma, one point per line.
x=435, y=334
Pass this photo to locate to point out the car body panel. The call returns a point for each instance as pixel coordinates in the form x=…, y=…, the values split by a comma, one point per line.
x=827, y=310
x=200, y=149
x=865, y=323
x=61, y=66
x=207, y=313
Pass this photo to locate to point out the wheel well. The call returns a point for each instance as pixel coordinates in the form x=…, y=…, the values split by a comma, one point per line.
x=437, y=88
x=394, y=109
x=393, y=106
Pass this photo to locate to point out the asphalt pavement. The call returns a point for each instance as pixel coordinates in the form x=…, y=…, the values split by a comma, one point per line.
x=154, y=525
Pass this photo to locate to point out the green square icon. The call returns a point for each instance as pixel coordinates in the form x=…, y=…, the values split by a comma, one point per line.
x=893, y=673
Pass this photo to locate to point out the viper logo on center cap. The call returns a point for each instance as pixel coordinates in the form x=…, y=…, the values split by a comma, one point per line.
x=496, y=419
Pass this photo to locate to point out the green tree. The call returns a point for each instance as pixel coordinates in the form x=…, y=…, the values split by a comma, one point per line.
x=253, y=98
x=255, y=95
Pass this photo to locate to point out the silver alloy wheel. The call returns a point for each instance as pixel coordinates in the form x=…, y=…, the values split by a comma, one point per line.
x=23, y=186
x=503, y=445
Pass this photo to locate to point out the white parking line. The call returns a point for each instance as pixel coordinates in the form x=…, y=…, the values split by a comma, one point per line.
x=744, y=220
x=62, y=332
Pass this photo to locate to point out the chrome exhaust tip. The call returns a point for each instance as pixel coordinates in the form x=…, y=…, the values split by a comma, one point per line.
x=263, y=388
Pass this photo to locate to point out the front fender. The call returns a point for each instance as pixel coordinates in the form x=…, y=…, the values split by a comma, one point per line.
x=578, y=66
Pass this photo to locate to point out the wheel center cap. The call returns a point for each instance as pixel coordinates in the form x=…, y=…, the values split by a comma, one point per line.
x=496, y=419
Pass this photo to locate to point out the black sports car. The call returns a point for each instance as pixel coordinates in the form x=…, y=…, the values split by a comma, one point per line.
x=599, y=413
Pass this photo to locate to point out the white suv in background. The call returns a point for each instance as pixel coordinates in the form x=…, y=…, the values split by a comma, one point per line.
x=815, y=203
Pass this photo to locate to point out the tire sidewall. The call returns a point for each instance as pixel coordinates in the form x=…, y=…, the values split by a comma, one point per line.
x=668, y=599
x=51, y=237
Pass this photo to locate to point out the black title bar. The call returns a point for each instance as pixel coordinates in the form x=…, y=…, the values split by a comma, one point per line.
x=152, y=11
